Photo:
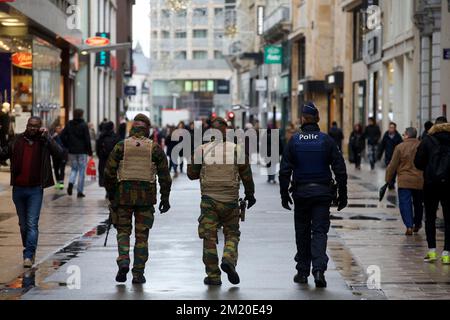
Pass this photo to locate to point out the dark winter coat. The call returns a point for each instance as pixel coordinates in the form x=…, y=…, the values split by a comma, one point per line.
x=76, y=137
x=372, y=134
x=388, y=145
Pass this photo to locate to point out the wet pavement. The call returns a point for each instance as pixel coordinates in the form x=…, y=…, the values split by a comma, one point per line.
x=366, y=234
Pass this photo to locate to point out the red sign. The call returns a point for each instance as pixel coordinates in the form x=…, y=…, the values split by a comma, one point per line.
x=23, y=60
x=97, y=41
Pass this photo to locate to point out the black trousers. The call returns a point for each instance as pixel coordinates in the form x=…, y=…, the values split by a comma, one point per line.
x=432, y=197
x=312, y=223
x=59, y=167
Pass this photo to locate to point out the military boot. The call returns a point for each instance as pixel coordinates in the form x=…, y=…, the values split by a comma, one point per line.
x=319, y=279
x=212, y=282
x=122, y=274
x=230, y=270
x=139, y=279
x=300, y=279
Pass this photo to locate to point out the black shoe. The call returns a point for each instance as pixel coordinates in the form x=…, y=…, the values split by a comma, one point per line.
x=319, y=279
x=212, y=282
x=70, y=189
x=300, y=279
x=80, y=195
x=139, y=279
x=230, y=270
x=122, y=274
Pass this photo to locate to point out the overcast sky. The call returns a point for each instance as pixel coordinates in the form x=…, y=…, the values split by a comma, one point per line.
x=141, y=25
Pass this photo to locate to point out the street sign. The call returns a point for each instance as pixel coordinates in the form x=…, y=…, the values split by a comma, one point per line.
x=447, y=54
x=273, y=55
x=261, y=85
x=130, y=90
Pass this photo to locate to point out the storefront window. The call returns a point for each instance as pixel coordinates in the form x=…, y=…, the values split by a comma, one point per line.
x=46, y=81
x=359, y=103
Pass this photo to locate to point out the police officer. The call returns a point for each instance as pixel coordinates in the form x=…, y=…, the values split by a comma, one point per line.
x=306, y=163
x=220, y=175
x=130, y=181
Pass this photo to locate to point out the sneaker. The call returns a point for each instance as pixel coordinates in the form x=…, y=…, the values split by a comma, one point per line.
x=139, y=279
x=445, y=259
x=431, y=256
x=230, y=270
x=61, y=186
x=70, y=189
x=80, y=195
x=28, y=263
x=212, y=282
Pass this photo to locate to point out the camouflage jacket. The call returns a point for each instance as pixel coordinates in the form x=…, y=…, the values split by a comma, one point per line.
x=245, y=173
x=137, y=193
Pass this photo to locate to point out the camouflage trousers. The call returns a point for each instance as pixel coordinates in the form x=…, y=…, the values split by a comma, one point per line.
x=213, y=215
x=144, y=217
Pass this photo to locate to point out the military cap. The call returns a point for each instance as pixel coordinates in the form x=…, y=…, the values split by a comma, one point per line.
x=143, y=118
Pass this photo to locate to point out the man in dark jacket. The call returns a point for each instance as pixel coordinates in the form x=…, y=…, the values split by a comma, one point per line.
x=104, y=146
x=77, y=140
x=308, y=162
x=373, y=135
x=31, y=173
x=337, y=134
x=434, y=146
x=391, y=139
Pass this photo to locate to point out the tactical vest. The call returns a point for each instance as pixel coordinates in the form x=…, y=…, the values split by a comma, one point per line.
x=312, y=158
x=137, y=162
x=219, y=177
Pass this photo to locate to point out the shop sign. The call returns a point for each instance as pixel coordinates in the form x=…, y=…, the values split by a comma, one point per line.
x=130, y=90
x=103, y=58
x=273, y=55
x=97, y=41
x=261, y=85
x=22, y=60
x=447, y=54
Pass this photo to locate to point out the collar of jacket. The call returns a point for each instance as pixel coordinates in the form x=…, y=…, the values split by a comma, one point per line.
x=310, y=127
x=437, y=128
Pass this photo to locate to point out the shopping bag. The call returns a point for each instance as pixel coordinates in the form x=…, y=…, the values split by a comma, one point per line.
x=91, y=169
x=383, y=191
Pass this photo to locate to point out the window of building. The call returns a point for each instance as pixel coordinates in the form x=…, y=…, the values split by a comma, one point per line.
x=218, y=12
x=180, y=34
x=359, y=103
x=211, y=86
x=302, y=59
x=200, y=12
x=358, y=34
x=181, y=55
x=154, y=55
x=165, y=54
x=195, y=86
x=200, y=55
x=165, y=34
x=218, y=54
x=200, y=34
x=182, y=13
x=155, y=34
x=165, y=14
x=188, y=86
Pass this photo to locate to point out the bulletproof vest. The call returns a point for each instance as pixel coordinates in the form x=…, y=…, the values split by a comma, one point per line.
x=137, y=162
x=219, y=177
x=312, y=158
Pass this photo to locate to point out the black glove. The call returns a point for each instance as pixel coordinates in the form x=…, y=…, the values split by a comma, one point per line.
x=164, y=206
x=285, y=201
x=342, y=202
x=251, y=201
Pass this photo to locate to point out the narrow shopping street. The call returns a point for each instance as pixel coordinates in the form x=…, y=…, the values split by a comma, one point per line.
x=72, y=233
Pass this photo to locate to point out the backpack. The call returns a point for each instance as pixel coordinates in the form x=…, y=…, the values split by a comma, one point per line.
x=439, y=165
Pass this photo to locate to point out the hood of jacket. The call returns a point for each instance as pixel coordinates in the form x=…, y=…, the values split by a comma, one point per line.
x=439, y=128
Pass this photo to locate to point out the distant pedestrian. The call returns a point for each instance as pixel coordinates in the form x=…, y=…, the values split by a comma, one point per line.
x=122, y=130
x=387, y=146
x=77, y=140
x=101, y=127
x=59, y=163
x=92, y=135
x=337, y=134
x=356, y=146
x=433, y=157
x=31, y=173
x=372, y=134
x=427, y=126
x=410, y=181
x=105, y=145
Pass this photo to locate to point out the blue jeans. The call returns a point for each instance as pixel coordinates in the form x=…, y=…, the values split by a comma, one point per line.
x=28, y=203
x=372, y=155
x=411, y=206
x=78, y=164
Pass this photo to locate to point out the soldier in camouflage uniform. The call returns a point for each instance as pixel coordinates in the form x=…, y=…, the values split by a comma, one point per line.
x=220, y=183
x=130, y=180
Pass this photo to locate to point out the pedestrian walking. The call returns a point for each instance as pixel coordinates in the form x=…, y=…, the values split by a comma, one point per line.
x=306, y=163
x=220, y=183
x=337, y=134
x=105, y=145
x=59, y=163
x=433, y=157
x=31, y=173
x=390, y=140
x=372, y=134
x=130, y=181
x=122, y=130
x=356, y=146
x=427, y=126
x=410, y=181
x=77, y=140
